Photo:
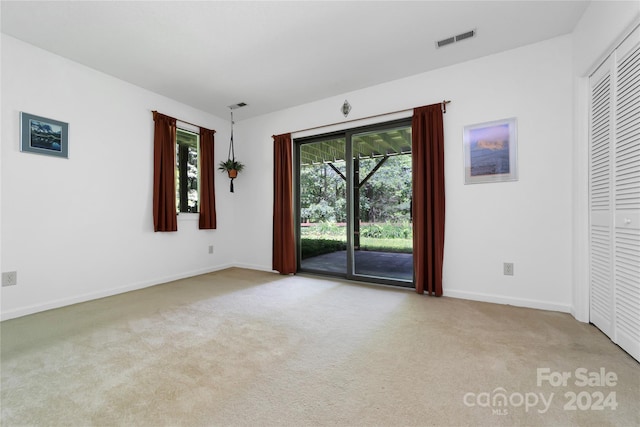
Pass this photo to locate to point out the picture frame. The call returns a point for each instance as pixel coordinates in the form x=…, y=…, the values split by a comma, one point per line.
x=41, y=135
x=490, y=152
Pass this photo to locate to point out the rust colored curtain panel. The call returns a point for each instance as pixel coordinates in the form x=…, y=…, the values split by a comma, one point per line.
x=428, y=198
x=284, y=254
x=165, y=217
x=207, y=181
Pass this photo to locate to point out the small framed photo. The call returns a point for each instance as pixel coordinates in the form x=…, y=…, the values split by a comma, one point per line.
x=44, y=136
x=490, y=152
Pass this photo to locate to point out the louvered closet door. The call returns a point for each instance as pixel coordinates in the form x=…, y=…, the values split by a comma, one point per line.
x=601, y=220
x=614, y=196
x=627, y=197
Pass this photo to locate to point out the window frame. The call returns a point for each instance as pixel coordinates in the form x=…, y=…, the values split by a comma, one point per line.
x=182, y=191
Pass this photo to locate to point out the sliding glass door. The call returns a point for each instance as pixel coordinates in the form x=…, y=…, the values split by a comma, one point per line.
x=382, y=236
x=322, y=211
x=353, y=204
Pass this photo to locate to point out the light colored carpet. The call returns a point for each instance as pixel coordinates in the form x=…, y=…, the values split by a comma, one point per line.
x=241, y=347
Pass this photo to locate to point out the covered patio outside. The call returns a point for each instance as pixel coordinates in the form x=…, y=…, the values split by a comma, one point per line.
x=397, y=266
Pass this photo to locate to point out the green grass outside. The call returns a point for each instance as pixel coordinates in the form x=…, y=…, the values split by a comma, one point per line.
x=313, y=247
x=386, y=245
x=325, y=238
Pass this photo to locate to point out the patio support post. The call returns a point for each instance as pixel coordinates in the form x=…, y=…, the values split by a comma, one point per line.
x=356, y=203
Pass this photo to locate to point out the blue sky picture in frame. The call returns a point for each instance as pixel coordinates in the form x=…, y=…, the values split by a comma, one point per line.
x=490, y=152
x=44, y=136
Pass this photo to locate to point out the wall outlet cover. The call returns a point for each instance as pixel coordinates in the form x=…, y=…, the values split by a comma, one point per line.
x=10, y=278
x=508, y=269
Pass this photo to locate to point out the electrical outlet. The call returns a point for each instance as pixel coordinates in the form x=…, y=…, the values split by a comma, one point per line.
x=10, y=278
x=508, y=269
x=210, y=249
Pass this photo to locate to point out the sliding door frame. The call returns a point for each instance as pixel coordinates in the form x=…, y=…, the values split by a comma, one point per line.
x=297, y=143
x=347, y=134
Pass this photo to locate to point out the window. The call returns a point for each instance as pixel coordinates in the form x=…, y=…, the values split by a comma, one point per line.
x=187, y=196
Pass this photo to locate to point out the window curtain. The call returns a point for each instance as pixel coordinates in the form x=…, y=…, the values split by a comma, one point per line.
x=207, y=181
x=284, y=255
x=165, y=217
x=428, y=198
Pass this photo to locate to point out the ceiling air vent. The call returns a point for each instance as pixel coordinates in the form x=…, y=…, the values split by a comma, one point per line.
x=446, y=41
x=465, y=35
x=454, y=39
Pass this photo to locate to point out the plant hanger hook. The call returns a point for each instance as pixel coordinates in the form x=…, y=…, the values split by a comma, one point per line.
x=232, y=153
x=231, y=166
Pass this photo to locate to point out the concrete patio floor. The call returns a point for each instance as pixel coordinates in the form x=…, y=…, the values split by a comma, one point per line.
x=387, y=265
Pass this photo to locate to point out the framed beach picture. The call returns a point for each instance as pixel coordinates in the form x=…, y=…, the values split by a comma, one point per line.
x=490, y=152
x=43, y=136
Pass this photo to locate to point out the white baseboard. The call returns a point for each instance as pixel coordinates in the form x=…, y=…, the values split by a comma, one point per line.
x=474, y=296
x=62, y=302
x=255, y=267
x=580, y=315
x=23, y=311
x=499, y=299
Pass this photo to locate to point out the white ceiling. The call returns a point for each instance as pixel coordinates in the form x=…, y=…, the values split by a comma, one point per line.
x=274, y=55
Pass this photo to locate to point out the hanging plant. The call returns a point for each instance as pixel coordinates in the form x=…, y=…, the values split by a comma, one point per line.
x=231, y=165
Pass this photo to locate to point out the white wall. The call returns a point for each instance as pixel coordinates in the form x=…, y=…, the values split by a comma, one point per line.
x=81, y=228
x=598, y=32
x=527, y=222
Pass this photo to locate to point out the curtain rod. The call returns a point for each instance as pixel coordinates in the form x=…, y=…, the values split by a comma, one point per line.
x=184, y=121
x=443, y=104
